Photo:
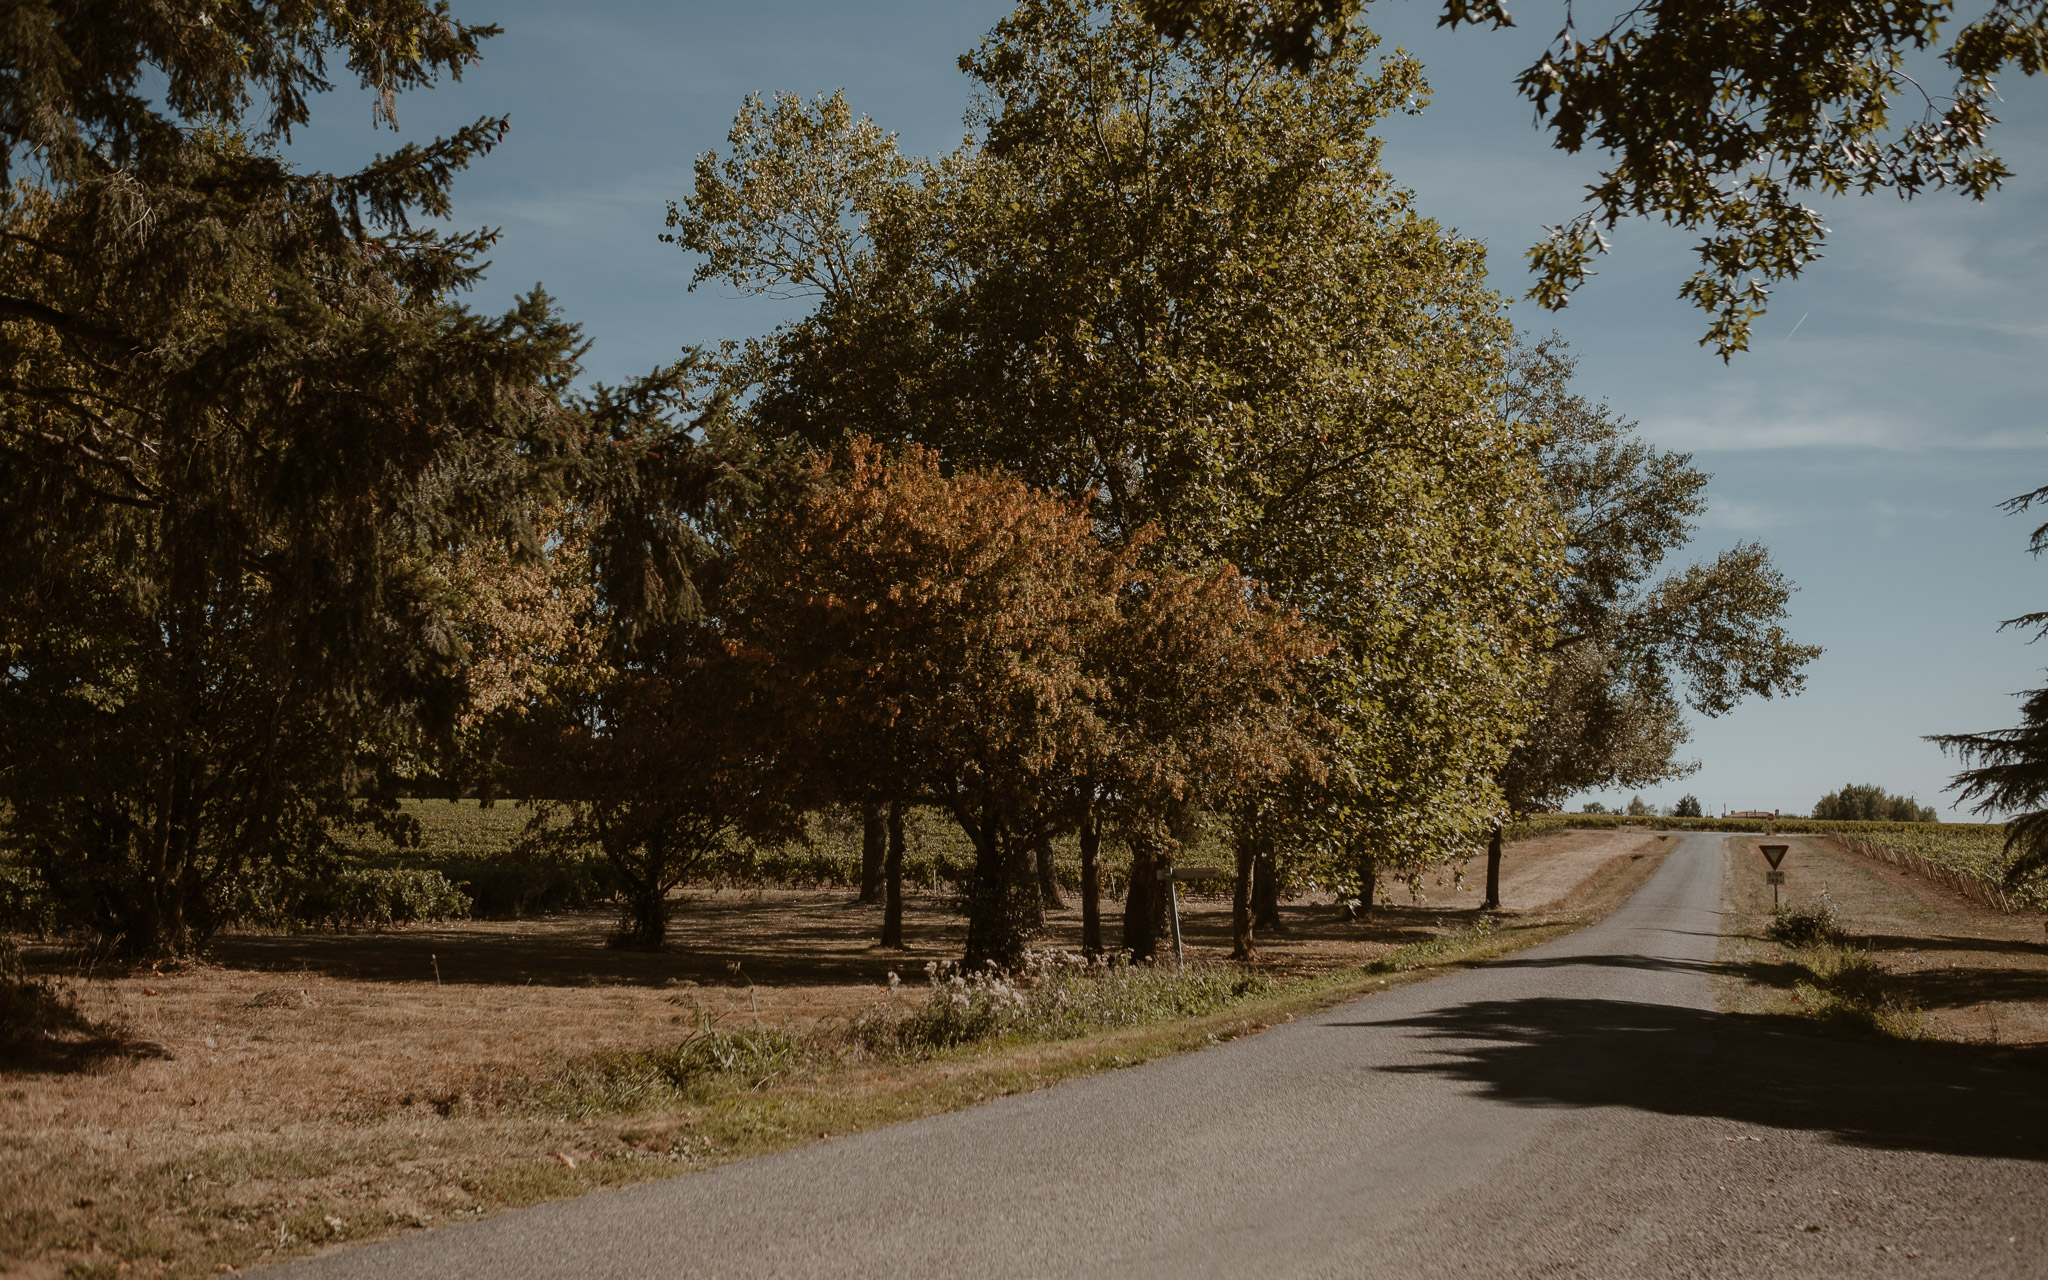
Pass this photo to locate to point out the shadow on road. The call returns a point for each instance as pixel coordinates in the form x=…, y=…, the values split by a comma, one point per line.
x=1952, y=1099
x=1944, y=988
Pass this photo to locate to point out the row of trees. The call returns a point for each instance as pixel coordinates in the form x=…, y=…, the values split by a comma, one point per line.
x=1147, y=461
x=1859, y=802
x=1687, y=806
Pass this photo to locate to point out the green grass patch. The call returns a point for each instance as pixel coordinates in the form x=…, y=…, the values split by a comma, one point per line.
x=1843, y=985
x=1433, y=951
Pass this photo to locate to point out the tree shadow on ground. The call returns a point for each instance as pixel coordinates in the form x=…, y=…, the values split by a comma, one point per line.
x=773, y=939
x=1948, y=1099
x=44, y=1032
x=1956, y=988
x=1933, y=988
x=723, y=941
x=1949, y=942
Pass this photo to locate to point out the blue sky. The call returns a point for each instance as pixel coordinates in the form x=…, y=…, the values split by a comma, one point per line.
x=1896, y=393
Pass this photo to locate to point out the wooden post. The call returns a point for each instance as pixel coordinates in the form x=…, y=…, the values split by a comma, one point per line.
x=1180, y=958
x=1172, y=878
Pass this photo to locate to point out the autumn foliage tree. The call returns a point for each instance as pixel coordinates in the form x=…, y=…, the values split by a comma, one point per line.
x=1206, y=684
x=969, y=642
x=925, y=638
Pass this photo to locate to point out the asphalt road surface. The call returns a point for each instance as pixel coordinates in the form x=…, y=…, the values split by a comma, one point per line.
x=1576, y=1110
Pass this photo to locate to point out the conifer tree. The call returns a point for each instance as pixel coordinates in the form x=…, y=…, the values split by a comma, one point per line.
x=241, y=413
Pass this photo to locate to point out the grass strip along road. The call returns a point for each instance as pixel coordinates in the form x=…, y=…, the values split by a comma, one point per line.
x=1576, y=1107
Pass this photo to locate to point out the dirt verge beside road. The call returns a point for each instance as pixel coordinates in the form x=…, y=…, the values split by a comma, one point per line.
x=1549, y=868
x=1977, y=975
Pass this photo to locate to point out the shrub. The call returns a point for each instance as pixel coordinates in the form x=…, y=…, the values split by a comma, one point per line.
x=1053, y=995
x=514, y=888
x=353, y=898
x=706, y=1062
x=1815, y=925
x=25, y=902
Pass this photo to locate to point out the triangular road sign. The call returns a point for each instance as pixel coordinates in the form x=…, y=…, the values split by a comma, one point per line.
x=1775, y=853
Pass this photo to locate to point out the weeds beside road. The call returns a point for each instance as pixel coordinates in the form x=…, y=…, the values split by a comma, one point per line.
x=1869, y=948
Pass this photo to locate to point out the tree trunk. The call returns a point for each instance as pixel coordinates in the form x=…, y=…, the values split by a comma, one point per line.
x=1091, y=885
x=1021, y=887
x=1144, y=901
x=1492, y=902
x=644, y=912
x=1241, y=902
x=1003, y=910
x=1368, y=885
x=645, y=925
x=1266, y=894
x=892, y=880
x=873, y=850
x=1048, y=877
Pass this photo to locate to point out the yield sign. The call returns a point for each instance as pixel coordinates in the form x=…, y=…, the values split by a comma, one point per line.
x=1775, y=853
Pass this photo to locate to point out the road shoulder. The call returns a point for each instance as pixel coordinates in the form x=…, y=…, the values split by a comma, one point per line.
x=1970, y=974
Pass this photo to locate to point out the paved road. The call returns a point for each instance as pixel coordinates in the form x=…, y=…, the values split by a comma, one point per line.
x=1578, y=1110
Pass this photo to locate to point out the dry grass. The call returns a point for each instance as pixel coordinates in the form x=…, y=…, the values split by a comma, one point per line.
x=319, y=1089
x=1551, y=866
x=1913, y=958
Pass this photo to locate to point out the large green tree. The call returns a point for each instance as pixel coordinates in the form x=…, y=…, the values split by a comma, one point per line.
x=241, y=414
x=1633, y=645
x=1718, y=116
x=1175, y=282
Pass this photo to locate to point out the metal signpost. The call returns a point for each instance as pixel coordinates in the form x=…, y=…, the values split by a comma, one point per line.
x=1174, y=878
x=1774, y=854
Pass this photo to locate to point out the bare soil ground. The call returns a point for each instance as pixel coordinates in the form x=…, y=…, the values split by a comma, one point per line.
x=1537, y=872
x=293, y=1091
x=1980, y=976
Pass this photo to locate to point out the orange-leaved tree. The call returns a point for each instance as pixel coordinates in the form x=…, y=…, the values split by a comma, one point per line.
x=967, y=641
x=927, y=638
x=1206, y=703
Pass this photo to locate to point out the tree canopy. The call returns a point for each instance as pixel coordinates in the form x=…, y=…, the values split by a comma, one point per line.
x=1635, y=645
x=1175, y=283
x=969, y=642
x=1717, y=117
x=1869, y=803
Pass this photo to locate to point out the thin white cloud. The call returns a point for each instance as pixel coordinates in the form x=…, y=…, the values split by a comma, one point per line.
x=1737, y=515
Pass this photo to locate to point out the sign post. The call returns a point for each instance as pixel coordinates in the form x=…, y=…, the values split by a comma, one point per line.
x=1174, y=877
x=1774, y=854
